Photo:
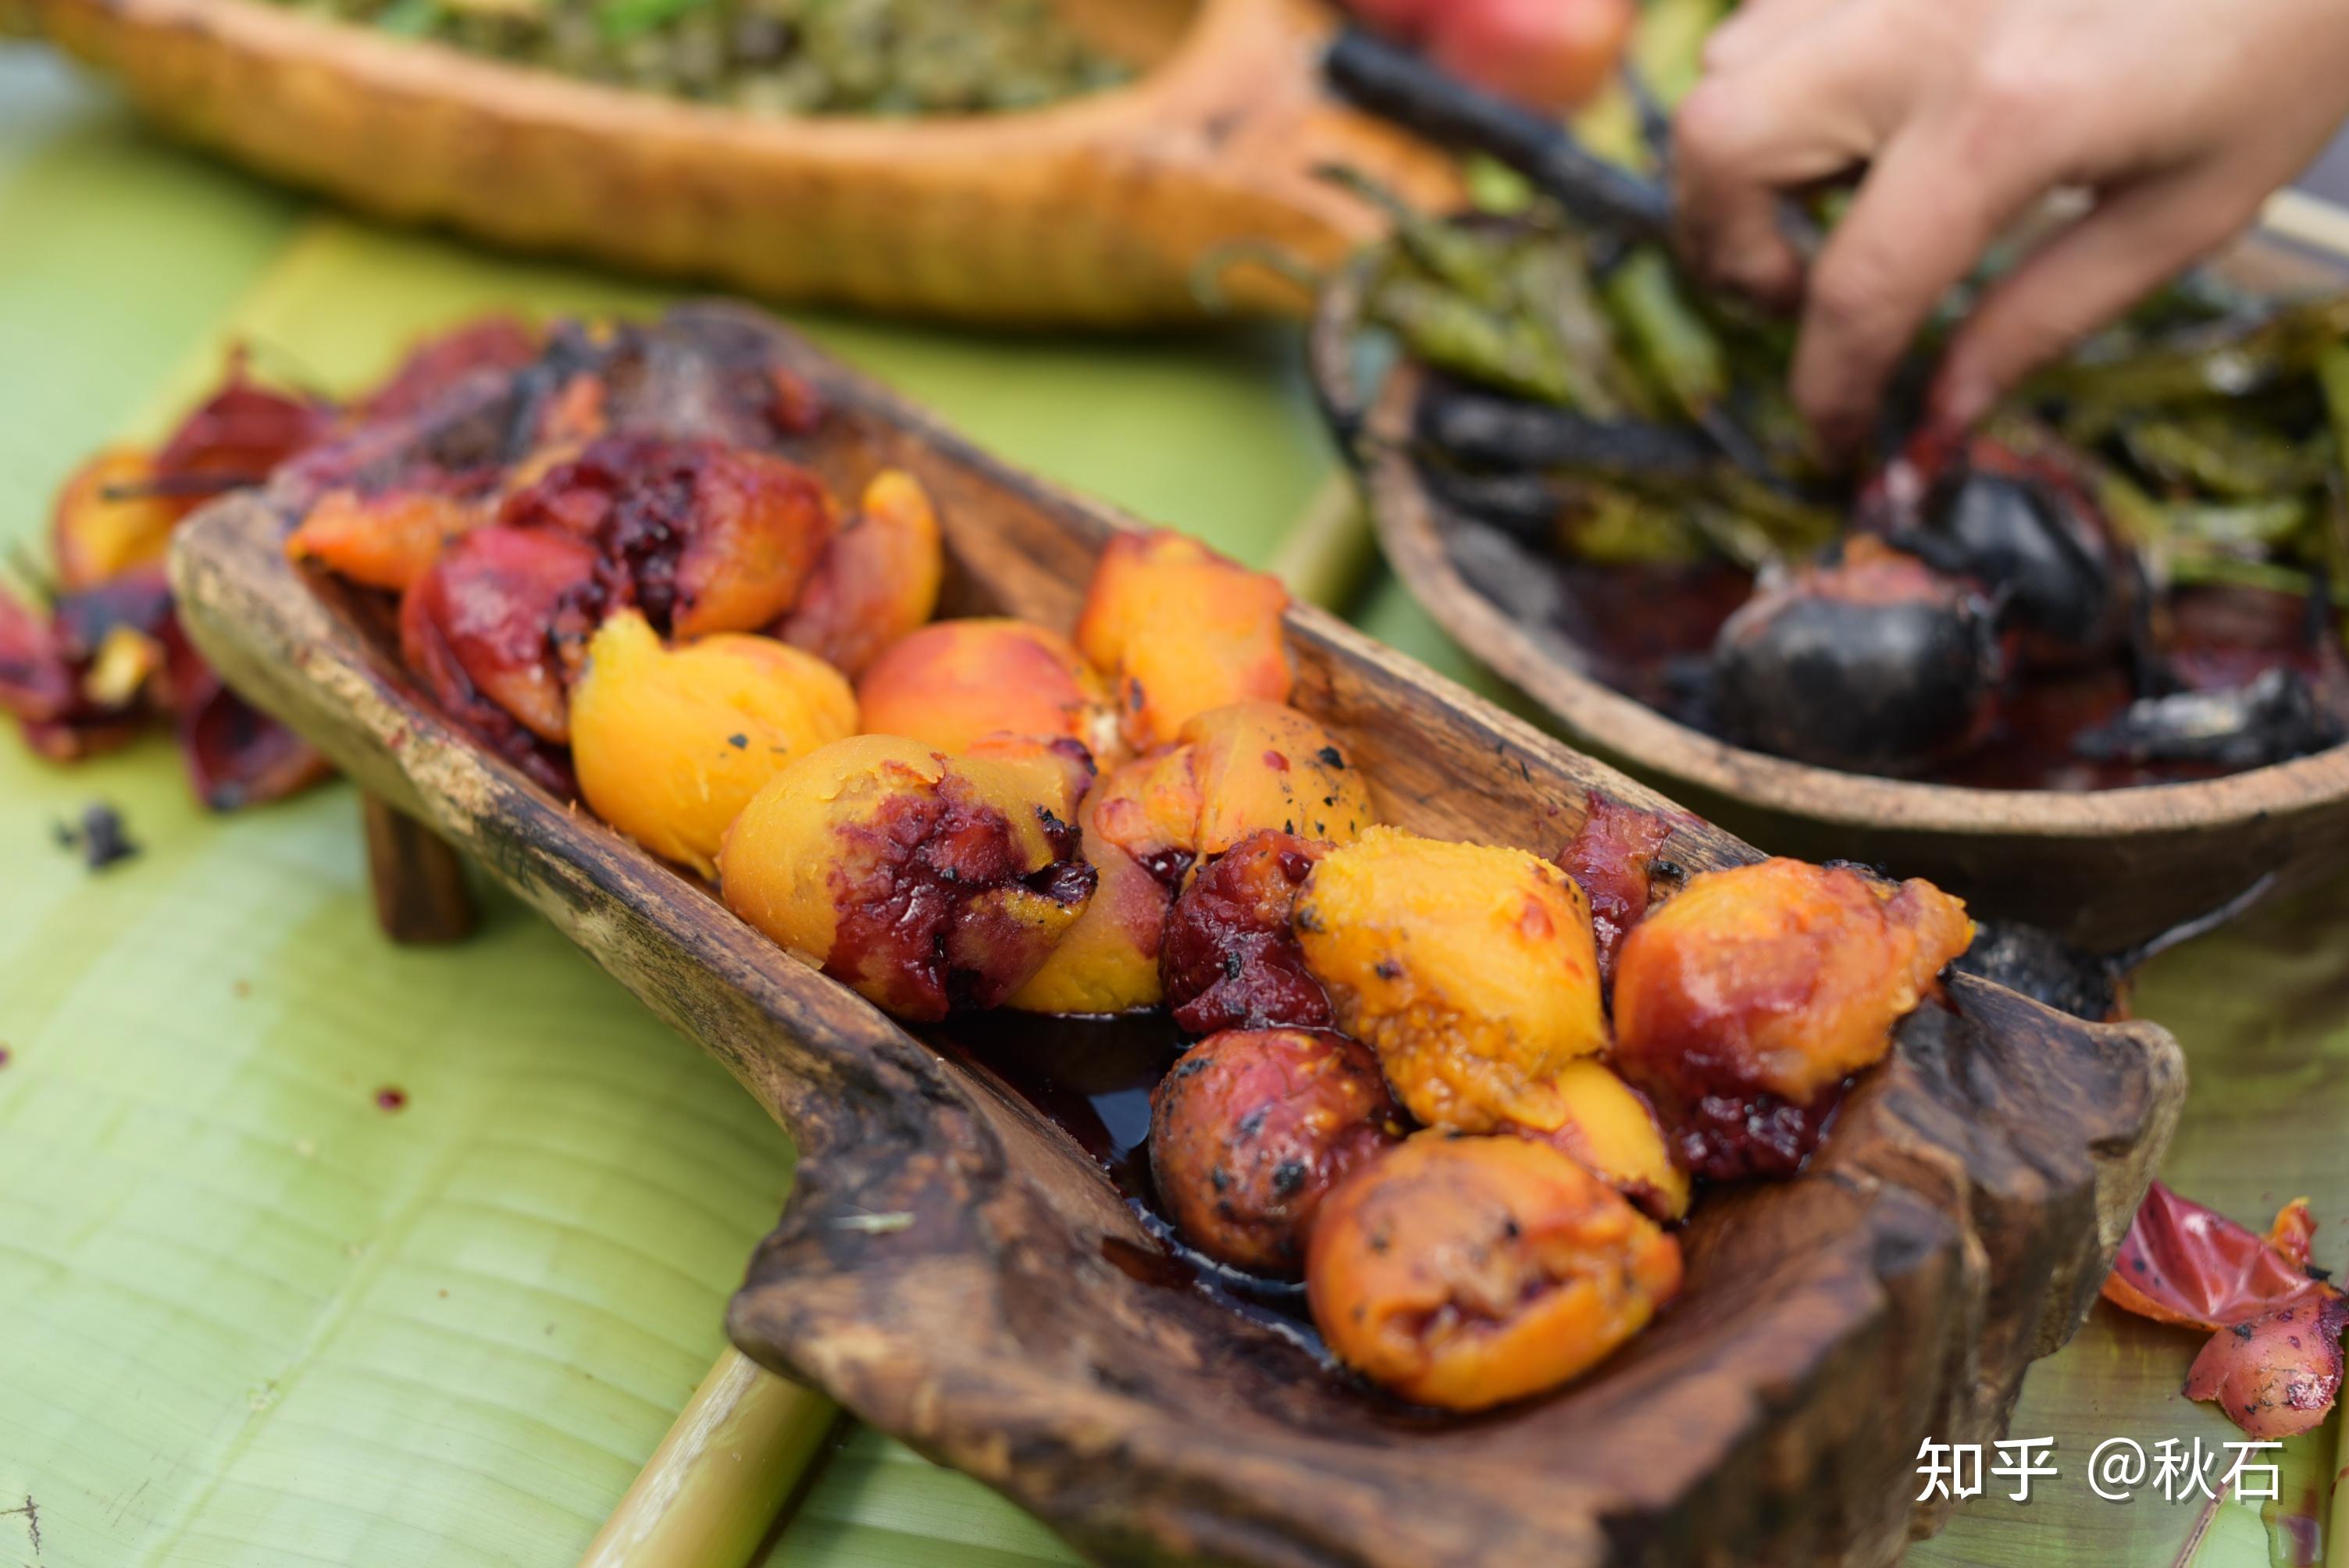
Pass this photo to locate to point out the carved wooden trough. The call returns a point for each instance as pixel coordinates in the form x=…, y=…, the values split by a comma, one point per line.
x=1010, y=1315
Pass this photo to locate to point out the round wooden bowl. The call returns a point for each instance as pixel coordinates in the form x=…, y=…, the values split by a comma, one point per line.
x=1097, y=212
x=2106, y=869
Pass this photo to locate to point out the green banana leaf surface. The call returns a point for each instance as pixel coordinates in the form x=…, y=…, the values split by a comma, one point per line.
x=318, y=1250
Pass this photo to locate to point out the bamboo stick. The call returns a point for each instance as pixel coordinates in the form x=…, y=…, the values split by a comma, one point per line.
x=1325, y=556
x=719, y=1481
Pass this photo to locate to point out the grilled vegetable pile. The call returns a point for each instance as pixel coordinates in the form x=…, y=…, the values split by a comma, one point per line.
x=780, y=57
x=2129, y=574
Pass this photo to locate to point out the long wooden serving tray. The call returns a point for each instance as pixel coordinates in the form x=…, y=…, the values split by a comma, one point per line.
x=957, y=1271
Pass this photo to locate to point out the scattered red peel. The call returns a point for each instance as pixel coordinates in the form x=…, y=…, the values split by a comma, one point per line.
x=2277, y=1376
x=2187, y=1264
x=2274, y=1362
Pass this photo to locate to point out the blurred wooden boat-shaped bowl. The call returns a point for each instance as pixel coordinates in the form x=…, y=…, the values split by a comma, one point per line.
x=2107, y=869
x=1097, y=211
x=956, y=1270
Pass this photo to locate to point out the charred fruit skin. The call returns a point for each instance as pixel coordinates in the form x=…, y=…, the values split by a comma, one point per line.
x=670, y=745
x=1230, y=959
x=1249, y=1131
x=1180, y=630
x=1471, y=970
x=1744, y=1004
x=954, y=684
x=922, y=882
x=1608, y=859
x=1465, y=1272
x=701, y=536
x=877, y=580
x=494, y=630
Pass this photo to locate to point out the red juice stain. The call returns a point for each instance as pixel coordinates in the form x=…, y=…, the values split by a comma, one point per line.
x=391, y=1096
x=4, y=1055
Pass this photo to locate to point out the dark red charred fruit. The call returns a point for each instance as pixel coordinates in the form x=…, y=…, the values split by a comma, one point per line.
x=236, y=436
x=1608, y=859
x=1229, y=959
x=1251, y=1127
x=934, y=900
x=437, y=364
x=701, y=536
x=494, y=630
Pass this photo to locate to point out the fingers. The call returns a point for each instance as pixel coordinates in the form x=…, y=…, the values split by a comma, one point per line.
x=1809, y=110
x=1921, y=219
x=2083, y=279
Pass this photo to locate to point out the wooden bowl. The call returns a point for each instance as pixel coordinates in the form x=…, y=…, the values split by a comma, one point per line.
x=1013, y=1318
x=1097, y=211
x=2106, y=869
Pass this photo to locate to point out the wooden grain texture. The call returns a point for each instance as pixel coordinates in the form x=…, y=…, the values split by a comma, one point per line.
x=2107, y=869
x=417, y=881
x=1096, y=212
x=1013, y=1325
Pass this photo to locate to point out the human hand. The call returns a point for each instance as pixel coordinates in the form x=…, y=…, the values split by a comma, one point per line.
x=2180, y=116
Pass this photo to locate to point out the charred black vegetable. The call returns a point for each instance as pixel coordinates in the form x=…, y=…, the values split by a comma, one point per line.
x=1618, y=462
x=1875, y=663
x=2045, y=556
x=2274, y=719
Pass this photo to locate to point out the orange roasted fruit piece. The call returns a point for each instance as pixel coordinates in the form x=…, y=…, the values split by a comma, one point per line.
x=924, y=881
x=107, y=520
x=954, y=684
x=1469, y=969
x=1250, y=1129
x=1180, y=630
x=1468, y=1272
x=1235, y=770
x=388, y=540
x=877, y=580
x=670, y=744
x=1743, y=1005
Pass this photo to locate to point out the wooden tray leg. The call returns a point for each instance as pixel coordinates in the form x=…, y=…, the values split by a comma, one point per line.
x=420, y=883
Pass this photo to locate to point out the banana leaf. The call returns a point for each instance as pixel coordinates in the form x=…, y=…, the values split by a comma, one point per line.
x=195, y=1367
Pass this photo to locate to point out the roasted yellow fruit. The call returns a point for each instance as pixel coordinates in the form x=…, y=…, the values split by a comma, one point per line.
x=96, y=535
x=1248, y=768
x=671, y=743
x=1182, y=630
x=953, y=683
x=1467, y=1272
x=924, y=881
x=1744, y=1004
x=1608, y=1129
x=1470, y=970
x=1108, y=963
